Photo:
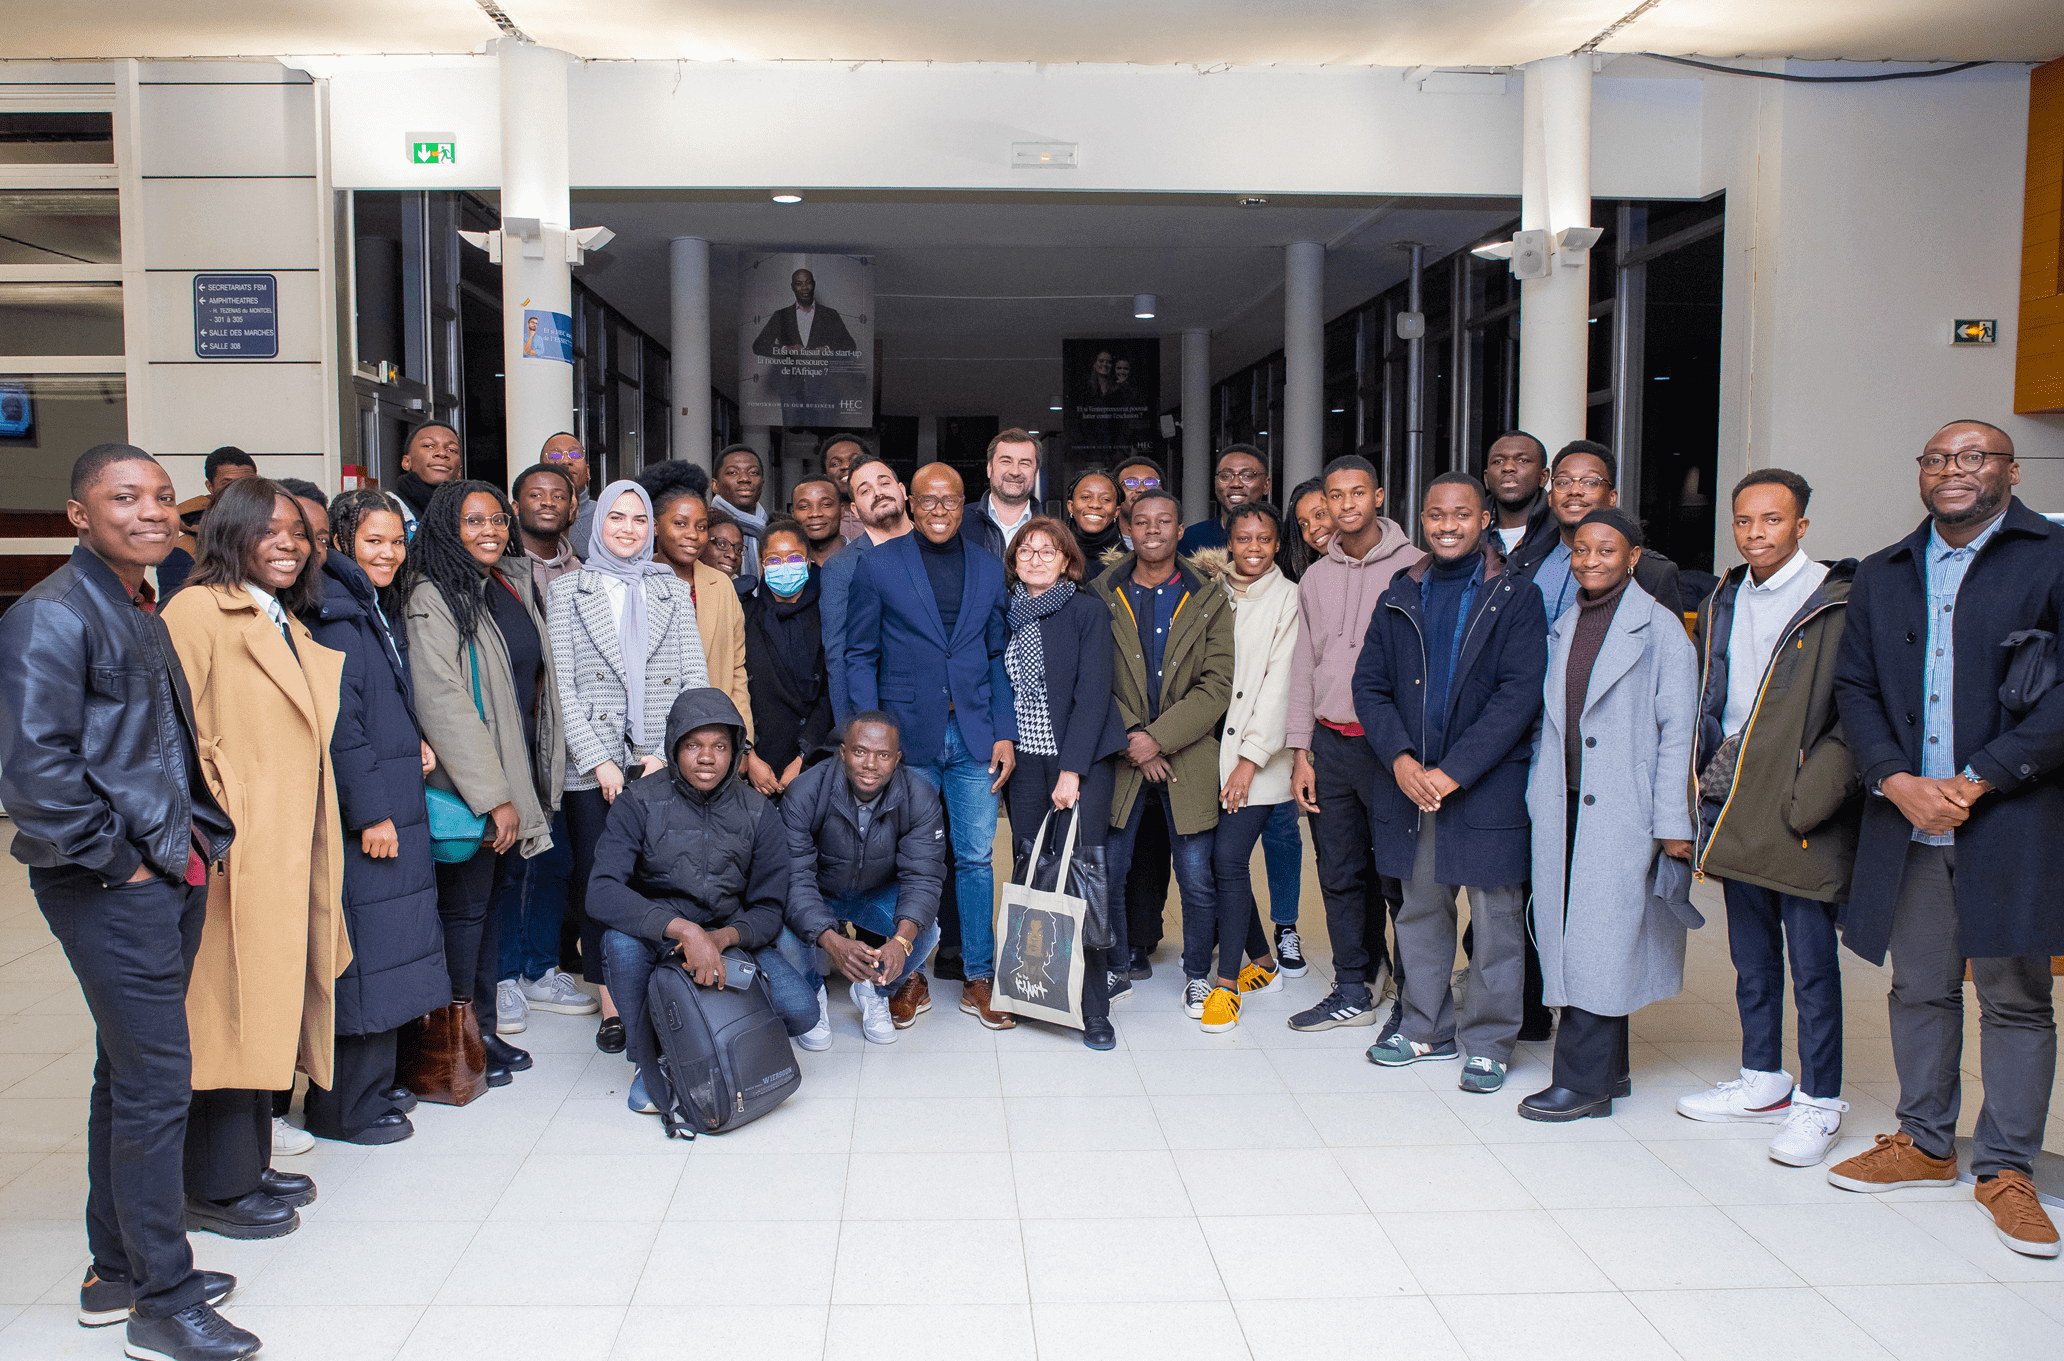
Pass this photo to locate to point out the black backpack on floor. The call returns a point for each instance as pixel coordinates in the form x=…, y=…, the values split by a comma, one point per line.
x=724, y=1054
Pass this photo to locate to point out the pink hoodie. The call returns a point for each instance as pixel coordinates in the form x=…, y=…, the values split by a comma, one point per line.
x=1334, y=602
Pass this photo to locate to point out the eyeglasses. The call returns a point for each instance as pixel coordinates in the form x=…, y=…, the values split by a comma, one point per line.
x=1037, y=552
x=1245, y=476
x=1564, y=483
x=482, y=521
x=791, y=558
x=1140, y=483
x=941, y=502
x=1967, y=460
x=573, y=455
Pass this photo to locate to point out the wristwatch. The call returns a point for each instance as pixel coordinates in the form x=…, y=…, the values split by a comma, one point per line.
x=1971, y=775
x=908, y=946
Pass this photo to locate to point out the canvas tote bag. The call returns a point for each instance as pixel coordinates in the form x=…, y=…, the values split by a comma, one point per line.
x=1039, y=958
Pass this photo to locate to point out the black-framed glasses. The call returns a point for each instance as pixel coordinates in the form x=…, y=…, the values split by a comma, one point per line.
x=1565, y=482
x=1245, y=476
x=941, y=502
x=1966, y=460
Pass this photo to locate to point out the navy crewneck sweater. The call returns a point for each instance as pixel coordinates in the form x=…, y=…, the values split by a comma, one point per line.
x=1444, y=598
x=946, y=566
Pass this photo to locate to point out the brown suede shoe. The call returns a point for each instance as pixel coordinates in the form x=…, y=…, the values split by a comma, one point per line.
x=974, y=1000
x=910, y=1001
x=2017, y=1215
x=1891, y=1165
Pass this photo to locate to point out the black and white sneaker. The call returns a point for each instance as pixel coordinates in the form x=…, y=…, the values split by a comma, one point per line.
x=1290, y=952
x=1194, y=994
x=1118, y=985
x=1341, y=1007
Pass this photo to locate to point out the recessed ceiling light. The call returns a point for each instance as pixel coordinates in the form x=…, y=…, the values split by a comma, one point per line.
x=1251, y=201
x=788, y=198
x=1143, y=306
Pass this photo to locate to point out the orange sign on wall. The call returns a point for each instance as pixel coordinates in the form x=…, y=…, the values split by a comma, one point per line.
x=2039, y=339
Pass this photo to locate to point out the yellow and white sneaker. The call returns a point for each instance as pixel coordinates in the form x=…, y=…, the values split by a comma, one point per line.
x=1221, y=1011
x=1257, y=978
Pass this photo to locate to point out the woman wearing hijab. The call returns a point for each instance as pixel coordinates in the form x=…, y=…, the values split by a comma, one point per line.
x=1608, y=799
x=390, y=883
x=624, y=643
x=260, y=1001
x=784, y=659
x=1069, y=730
x=1093, y=516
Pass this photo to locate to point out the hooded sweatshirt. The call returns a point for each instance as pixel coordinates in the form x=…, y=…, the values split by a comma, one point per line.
x=1335, y=598
x=670, y=850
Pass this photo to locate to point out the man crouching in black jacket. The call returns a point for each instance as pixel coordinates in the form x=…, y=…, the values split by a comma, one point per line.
x=694, y=857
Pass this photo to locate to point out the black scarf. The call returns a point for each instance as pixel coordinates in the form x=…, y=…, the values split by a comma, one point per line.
x=1093, y=545
x=415, y=491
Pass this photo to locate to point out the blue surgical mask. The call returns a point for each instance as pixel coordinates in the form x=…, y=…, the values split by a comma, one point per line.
x=785, y=578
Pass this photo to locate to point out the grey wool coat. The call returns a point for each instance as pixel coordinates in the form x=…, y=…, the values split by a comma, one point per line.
x=1603, y=946
x=589, y=667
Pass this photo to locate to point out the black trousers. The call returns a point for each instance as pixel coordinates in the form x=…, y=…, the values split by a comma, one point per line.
x=228, y=1143
x=364, y=1069
x=1590, y=1052
x=466, y=894
x=587, y=812
x=1029, y=797
x=1147, y=875
x=1358, y=900
x=133, y=950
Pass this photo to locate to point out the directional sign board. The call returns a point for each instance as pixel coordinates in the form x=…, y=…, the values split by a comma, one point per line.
x=236, y=316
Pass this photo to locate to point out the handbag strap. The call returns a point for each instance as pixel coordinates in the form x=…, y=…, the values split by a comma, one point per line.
x=1067, y=850
x=473, y=658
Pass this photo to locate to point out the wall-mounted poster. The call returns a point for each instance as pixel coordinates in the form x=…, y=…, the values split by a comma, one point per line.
x=547, y=335
x=1111, y=392
x=806, y=341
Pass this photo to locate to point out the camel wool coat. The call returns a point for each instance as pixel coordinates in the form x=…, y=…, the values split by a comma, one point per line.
x=720, y=619
x=262, y=1000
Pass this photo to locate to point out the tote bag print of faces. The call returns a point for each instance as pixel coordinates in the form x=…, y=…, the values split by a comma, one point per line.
x=1039, y=958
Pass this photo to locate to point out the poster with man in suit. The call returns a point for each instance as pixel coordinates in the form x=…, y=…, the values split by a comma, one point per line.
x=806, y=354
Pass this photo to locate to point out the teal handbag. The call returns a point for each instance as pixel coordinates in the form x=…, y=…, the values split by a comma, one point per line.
x=456, y=831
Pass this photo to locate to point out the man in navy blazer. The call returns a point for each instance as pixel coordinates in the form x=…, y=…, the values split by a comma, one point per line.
x=925, y=633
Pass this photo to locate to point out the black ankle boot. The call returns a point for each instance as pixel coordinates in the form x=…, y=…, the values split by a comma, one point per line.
x=254, y=1216
x=1557, y=1104
x=288, y=1188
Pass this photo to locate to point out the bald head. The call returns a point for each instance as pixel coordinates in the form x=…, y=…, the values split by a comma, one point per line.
x=937, y=496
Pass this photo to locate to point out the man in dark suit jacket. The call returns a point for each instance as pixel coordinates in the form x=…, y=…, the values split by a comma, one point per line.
x=1959, y=856
x=925, y=634
x=805, y=330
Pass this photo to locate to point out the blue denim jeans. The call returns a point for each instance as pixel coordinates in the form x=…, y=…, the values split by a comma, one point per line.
x=963, y=779
x=1282, y=850
x=531, y=905
x=1762, y=927
x=629, y=962
x=874, y=910
x=1193, y=880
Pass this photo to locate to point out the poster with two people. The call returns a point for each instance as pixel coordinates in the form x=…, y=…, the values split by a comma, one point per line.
x=806, y=341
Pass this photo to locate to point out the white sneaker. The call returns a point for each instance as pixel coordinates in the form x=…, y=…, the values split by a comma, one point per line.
x=817, y=1038
x=1194, y=994
x=875, y=1022
x=1752, y=1098
x=1809, y=1131
x=512, y=1012
x=287, y=1140
x=557, y=992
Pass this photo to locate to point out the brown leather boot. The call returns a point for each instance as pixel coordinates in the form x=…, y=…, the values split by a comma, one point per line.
x=2017, y=1215
x=910, y=1001
x=974, y=1000
x=1892, y=1164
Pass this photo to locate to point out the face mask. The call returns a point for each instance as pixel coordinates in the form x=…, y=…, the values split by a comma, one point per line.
x=785, y=578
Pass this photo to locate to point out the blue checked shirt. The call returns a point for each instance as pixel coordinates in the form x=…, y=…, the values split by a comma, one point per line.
x=1946, y=568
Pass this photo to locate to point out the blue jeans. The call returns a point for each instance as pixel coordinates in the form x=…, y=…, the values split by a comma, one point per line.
x=629, y=962
x=531, y=905
x=1193, y=879
x=874, y=910
x=1282, y=850
x=1236, y=926
x=1760, y=926
x=963, y=779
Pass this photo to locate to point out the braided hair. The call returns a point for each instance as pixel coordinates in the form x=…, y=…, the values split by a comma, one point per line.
x=438, y=555
x=348, y=510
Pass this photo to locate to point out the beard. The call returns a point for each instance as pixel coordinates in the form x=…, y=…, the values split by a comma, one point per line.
x=1983, y=507
x=887, y=519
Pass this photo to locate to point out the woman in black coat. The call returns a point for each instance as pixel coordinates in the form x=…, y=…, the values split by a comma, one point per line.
x=784, y=661
x=1069, y=729
x=397, y=968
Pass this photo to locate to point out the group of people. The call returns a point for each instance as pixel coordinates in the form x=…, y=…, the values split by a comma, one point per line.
x=387, y=768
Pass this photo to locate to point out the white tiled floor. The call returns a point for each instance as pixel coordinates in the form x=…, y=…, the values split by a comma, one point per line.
x=1263, y=1194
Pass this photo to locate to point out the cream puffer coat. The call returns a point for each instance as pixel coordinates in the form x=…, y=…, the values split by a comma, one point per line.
x=1265, y=626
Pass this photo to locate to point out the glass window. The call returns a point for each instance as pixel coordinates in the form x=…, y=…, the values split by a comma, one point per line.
x=60, y=227
x=61, y=318
x=45, y=420
x=57, y=139
x=378, y=260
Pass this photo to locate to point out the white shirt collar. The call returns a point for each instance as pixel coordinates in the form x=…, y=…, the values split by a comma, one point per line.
x=990, y=497
x=1793, y=566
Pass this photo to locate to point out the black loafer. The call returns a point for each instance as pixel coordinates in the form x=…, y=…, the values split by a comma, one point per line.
x=502, y=1054
x=401, y=1098
x=499, y=1077
x=1099, y=1033
x=254, y=1216
x=1557, y=1104
x=196, y=1334
x=288, y=1188
x=105, y=1302
x=1624, y=1087
x=1142, y=966
x=609, y=1036
x=390, y=1128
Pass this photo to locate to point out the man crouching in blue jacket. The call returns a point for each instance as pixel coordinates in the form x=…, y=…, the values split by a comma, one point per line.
x=694, y=857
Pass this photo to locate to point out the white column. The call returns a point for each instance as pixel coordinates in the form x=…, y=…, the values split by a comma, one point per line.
x=691, y=350
x=1196, y=425
x=1554, y=341
x=538, y=393
x=1304, y=360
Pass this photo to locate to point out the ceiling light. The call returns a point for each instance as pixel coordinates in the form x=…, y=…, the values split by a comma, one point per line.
x=1053, y=404
x=1143, y=306
x=1251, y=201
x=788, y=198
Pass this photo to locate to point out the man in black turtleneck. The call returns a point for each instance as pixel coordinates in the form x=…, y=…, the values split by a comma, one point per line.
x=430, y=459
x=1447, y=690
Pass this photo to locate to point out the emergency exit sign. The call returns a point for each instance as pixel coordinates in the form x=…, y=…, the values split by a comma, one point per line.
x=433, y=148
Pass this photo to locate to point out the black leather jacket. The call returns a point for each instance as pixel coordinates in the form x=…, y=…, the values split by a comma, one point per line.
x=97, y=760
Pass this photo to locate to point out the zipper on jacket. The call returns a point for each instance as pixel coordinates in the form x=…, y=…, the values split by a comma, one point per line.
x=1426, y=672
